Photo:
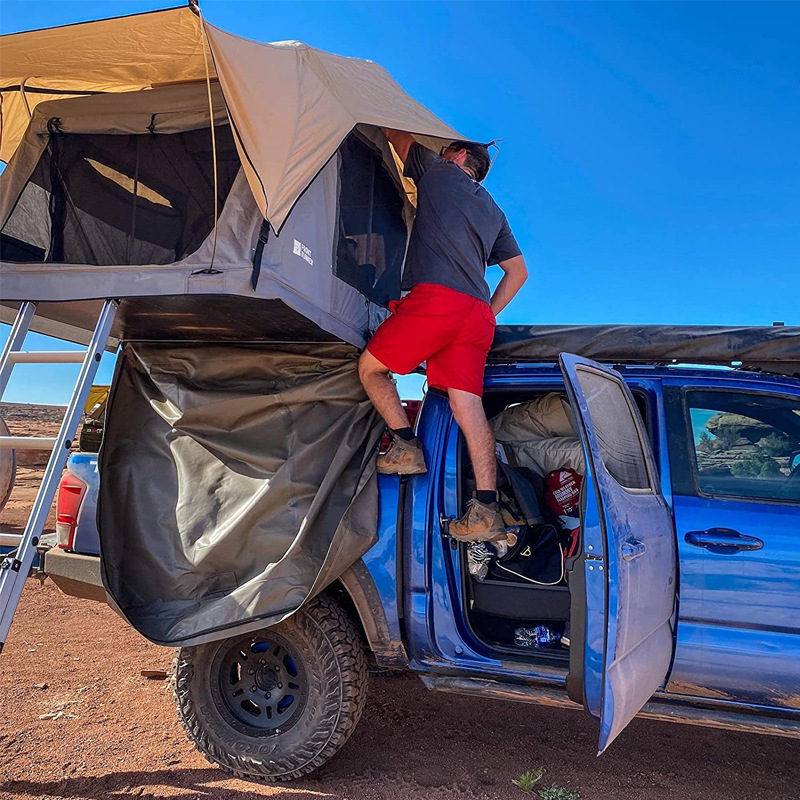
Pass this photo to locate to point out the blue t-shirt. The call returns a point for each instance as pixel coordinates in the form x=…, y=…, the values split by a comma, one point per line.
x=458, y=230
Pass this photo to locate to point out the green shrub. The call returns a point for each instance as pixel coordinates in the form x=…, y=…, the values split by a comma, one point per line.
x=558, y=793
x=528, y=780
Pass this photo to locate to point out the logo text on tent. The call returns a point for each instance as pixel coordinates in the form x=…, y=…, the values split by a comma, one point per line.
x=304, y=252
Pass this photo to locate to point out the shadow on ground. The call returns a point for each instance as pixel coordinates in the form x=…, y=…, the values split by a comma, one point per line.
x=197, y=783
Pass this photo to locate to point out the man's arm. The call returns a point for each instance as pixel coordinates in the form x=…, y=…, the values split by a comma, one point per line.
x=515, y=273
x=400, y=140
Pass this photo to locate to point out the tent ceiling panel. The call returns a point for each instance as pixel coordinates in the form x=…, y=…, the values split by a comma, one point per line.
x=313, y=100
x=170, y=109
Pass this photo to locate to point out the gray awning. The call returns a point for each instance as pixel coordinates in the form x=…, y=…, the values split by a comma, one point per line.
x=772, y=349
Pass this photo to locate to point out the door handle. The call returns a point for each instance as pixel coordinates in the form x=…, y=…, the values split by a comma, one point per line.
x=632, y=549
x=723, y=541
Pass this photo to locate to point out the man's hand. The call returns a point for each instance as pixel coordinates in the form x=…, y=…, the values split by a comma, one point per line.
x=400, y=140
x=516, y=273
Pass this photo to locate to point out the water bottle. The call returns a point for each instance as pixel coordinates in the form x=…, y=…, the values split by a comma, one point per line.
x=540, y=637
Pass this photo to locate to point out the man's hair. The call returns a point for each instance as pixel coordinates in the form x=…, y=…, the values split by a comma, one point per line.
x=477, y=161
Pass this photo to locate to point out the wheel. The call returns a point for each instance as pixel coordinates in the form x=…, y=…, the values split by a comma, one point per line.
x=278, y=703
x=8, y=467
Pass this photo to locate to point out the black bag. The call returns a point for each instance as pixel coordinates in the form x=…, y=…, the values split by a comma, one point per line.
x=536, y=557
x=518, y=495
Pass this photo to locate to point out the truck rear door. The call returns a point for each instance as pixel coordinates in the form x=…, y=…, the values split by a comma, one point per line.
x=624, y=583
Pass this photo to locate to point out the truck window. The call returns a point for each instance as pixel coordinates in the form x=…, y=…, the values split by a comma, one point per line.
x=745, y=445
x=617, y=431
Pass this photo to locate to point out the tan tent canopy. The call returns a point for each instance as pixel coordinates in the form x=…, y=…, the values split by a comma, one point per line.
x=291, y=106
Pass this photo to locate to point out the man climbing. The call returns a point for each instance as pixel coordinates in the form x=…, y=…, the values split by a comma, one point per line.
x=448, y=317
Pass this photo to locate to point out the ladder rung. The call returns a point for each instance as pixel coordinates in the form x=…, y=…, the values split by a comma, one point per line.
x=47, y=357
x=10, y=539
x=28, y=442
x=15, y=571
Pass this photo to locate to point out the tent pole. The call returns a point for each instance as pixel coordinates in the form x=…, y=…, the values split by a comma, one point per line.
x=370, y=211
x=195, y=7
x=132, y=236
x=25, y=97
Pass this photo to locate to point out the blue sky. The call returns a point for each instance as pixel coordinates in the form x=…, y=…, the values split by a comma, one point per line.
x=650, y=166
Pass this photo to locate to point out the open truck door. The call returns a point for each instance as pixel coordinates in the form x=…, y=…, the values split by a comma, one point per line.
x=624, y=582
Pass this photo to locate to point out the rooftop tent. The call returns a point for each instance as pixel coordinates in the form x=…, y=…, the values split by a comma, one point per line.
x=109, y=189
x=127, y=180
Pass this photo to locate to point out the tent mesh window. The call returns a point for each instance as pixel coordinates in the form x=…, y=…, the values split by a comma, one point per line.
x=372, y=233
x=109, y=199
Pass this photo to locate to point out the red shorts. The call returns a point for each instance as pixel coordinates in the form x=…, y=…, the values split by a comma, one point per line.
x=450, y=330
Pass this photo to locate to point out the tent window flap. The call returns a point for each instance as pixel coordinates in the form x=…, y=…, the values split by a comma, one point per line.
x=107, y=199
x=372, y=233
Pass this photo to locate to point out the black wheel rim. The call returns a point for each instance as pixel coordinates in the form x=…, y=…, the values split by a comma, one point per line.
x=260, y=686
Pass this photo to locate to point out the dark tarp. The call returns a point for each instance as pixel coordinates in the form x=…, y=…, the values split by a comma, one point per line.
x=238, y=481
x=773, y=349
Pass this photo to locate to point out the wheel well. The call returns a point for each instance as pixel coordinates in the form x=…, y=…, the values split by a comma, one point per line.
x=337, y=591
x=358, y=596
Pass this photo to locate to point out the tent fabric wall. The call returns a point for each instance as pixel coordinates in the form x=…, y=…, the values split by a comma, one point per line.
x=284, y=439
x=237, y=232
x=305, y=280
x=312, y=290
x=168, y=110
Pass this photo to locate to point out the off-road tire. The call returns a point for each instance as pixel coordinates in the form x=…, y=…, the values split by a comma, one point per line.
x=333, y=660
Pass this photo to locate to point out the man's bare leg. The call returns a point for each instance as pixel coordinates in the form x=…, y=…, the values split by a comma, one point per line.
x=471, y=418
x=405, y=456
x=482, y=521
x=378, y=384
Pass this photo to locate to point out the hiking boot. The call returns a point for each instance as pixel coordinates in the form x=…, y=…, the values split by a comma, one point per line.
x=480, y=523
x=402, y=458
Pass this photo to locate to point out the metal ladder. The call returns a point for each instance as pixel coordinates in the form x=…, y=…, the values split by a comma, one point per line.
x=15, y=567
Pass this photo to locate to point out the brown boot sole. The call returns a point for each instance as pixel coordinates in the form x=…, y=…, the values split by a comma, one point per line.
x=402, y=470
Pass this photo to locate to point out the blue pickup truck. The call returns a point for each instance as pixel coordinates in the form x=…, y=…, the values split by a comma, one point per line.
x=681, y=603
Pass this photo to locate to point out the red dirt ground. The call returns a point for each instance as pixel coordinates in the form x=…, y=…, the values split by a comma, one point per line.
x=118, y=734
x=77, y=720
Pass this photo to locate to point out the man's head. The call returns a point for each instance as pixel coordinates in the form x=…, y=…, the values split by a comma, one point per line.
x=470, y=156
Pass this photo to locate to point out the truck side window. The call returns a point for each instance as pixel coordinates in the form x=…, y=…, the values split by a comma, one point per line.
x=745, y=445
x=616, y=428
